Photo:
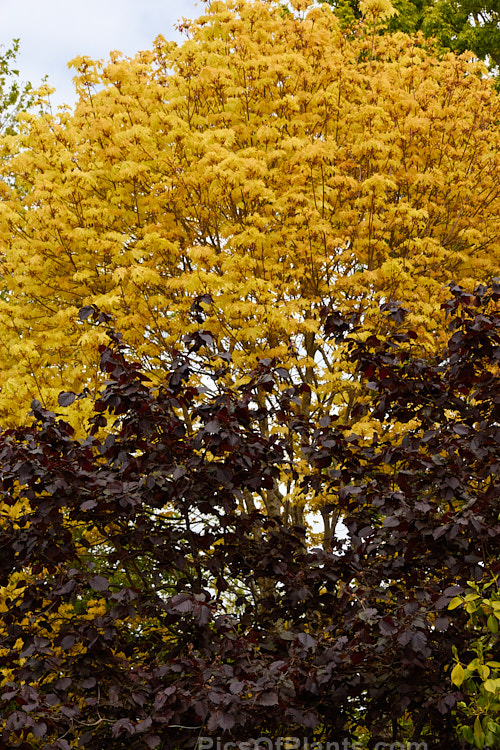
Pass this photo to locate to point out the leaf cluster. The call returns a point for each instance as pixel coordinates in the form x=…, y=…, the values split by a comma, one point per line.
x=143, y=606
x=480, y=679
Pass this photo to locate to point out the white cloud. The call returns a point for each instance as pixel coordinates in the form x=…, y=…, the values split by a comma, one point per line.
x=52, y=32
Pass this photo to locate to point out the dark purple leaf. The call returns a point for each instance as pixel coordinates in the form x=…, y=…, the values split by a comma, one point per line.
x=88, y=505
x=39, y=730
x=152, y=740
x=99, y=583
x=442, y=623
x=122, y=727
x=236, y=687
x=16, y=721
x=220, y=720
x=267, y=699
x=461, y=429
x=63, y=683
x=387, y=626
x=306, y=640
x=181, y=603
x=418, y=640
x=85, y=312
x=68, y=641
x=66, y=398
x=178, y=472
x=391, y=522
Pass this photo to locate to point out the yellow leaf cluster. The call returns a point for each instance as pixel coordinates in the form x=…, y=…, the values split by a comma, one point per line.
x=270, y=161
x=380, y=9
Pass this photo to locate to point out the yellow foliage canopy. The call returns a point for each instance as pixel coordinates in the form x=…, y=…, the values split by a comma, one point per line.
x=269, y=161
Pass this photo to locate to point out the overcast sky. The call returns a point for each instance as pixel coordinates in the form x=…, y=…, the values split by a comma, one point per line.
x=52, y=32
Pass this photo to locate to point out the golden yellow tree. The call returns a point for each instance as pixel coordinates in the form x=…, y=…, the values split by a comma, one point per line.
x=270, y=161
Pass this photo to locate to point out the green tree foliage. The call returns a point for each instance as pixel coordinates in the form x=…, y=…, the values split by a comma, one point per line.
x=457, y=25
x=14, y=95
x=462, y=25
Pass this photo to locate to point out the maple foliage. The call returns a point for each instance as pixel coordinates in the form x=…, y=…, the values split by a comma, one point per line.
x=270, y=161
x=142, y=606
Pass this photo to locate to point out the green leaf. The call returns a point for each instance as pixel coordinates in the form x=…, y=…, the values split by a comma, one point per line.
x=468, y=734
x=455, y=602
x=471, y=597
x=484, y=671
x=492, y=623
x=494, y=728
x=457, y=675
x=478, y=732
x=492, y=686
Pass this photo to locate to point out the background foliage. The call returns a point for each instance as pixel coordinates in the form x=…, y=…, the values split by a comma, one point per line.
x=458, y=25
x=15, y=96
